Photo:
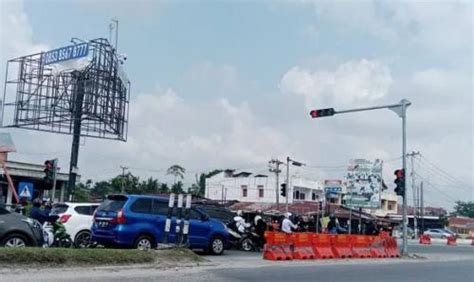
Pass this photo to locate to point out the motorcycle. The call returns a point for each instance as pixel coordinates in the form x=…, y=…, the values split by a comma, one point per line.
x=55, y=234
x=246, y=241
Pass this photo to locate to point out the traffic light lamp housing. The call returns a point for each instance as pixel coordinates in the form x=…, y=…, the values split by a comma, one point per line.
x=49, y=167
x=283, y=190
x=322, y=113
x=400, y=182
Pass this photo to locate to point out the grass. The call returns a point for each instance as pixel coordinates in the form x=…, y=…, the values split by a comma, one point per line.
x=94, y=257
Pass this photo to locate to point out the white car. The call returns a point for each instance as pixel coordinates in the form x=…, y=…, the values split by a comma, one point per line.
x=77, y=219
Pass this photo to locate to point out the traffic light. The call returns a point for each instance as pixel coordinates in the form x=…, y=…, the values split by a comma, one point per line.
x=49, y=168
x=400, y=182
x=283, y=190
x=322, y=113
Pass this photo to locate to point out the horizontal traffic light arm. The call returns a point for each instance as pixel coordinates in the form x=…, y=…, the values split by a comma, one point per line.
x=317, y=113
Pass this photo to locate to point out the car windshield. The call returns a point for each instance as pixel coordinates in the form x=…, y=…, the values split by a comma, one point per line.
x=59, y=209
x=113, y=204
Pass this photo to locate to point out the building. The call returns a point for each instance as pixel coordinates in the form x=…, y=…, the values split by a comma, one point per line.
x=388, y=205
x=462, y=225
x=34, y=174
x=245, y=186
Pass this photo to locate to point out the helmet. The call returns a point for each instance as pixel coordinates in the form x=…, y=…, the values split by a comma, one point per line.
x=37, y=203
x=288, y=214
x=239, y=213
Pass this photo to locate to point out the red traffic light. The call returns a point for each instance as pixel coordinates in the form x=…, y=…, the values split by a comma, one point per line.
x=322, y=113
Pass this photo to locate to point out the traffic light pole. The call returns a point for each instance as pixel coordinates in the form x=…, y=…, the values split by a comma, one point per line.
x=400, y=110
x=287, y=182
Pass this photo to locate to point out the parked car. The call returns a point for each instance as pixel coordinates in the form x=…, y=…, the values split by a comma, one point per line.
x=437, y=233
x=17, y=230
x=77, y=218
x=138, y=221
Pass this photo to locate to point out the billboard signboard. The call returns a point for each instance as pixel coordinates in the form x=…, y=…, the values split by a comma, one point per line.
x=66, y=53
x=364, y=184
x=333, y=188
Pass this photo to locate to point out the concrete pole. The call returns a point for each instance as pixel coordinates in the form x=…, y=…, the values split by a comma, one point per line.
x=277, y=173
x=413, y=188
x=288, y=190
x=404, y=161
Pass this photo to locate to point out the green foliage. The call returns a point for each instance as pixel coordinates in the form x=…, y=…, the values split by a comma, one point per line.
x=177, y=187
x=464, y=208
x=177, y=171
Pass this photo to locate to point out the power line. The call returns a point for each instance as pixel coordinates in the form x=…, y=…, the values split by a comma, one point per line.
x=433, y=172
x=447, y=175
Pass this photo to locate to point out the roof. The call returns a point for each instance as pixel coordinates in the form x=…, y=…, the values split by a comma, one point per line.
x=242, y=174
x=462, y=222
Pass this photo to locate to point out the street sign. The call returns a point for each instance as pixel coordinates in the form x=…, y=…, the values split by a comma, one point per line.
x=25, y=190
x=66, y=53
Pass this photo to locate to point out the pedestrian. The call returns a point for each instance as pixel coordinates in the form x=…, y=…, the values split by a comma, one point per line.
x=287, y=225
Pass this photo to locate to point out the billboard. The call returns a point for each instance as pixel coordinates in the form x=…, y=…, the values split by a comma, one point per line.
x=364, y=183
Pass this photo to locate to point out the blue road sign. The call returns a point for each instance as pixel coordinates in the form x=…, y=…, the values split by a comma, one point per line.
x=66, y=53
x=25, y=190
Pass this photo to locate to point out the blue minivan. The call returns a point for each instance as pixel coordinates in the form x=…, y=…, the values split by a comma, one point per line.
x=138, y=221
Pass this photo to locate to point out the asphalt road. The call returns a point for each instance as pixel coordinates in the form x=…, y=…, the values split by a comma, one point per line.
x=442, y=263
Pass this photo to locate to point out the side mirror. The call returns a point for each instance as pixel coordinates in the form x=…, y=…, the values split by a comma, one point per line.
x=204, y=217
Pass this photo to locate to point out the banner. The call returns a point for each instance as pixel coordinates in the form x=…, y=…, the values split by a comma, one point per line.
x=364, y=184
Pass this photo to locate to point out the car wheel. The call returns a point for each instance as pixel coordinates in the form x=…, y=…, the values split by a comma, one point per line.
x=15, y=241
x=83, y=239
x=217, y=245
x=143, y=243
x=247, y=245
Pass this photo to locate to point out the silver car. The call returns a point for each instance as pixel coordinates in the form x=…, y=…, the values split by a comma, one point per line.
x=438, y=233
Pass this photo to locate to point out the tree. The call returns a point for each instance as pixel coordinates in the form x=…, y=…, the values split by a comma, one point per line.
x=164, y=189
x=464, y=208
x=177, y=172
x=82, y=193
x=177, y=187
x=199, y=189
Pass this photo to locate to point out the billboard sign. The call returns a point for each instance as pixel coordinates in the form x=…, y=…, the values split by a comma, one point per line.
x=364, y=184
x=66, y=53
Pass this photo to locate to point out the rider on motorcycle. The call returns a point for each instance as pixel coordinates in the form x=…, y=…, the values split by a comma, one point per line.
x=240, y=222
x=41, y=215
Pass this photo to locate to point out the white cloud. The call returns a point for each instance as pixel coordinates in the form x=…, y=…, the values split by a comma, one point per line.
x=433, y=26
x=353, y=82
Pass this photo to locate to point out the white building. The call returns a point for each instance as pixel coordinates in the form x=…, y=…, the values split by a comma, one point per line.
x=245, y=186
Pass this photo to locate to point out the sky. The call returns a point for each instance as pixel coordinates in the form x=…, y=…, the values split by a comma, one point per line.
x=229, y=84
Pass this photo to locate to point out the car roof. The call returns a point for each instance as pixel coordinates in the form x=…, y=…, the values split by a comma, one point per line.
x=77, y=204
x=134, y=196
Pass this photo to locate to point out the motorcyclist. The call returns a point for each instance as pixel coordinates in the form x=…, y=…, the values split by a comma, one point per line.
x=240, y=222
x=40, y=214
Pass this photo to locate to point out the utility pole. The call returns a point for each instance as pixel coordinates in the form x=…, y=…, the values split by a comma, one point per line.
x=289, y=191
x=422, y=209
x=413, y=188
x=277, y=171
x=123, y=178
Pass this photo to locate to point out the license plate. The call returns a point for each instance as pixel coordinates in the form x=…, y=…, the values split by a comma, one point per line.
x=103, y=223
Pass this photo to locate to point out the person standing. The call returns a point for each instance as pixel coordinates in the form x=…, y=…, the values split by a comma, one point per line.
x=287, y=225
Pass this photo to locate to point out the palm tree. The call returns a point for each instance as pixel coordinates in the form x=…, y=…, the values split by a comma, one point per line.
x=177, y=171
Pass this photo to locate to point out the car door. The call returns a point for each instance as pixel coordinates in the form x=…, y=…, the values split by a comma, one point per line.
x=199, y=230
x=160, y=210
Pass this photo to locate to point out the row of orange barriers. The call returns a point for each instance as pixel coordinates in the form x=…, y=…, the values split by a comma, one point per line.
x=282, y=246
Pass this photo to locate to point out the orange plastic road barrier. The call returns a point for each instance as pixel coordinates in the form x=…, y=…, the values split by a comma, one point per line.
x=391, y=247
x=341, y=246
x=322, y=246
x=451, y=241
x=277, y=246
x=377, y=248
x=360, y=246
x=425, y=240
x=302, y=246
x=472, y=243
